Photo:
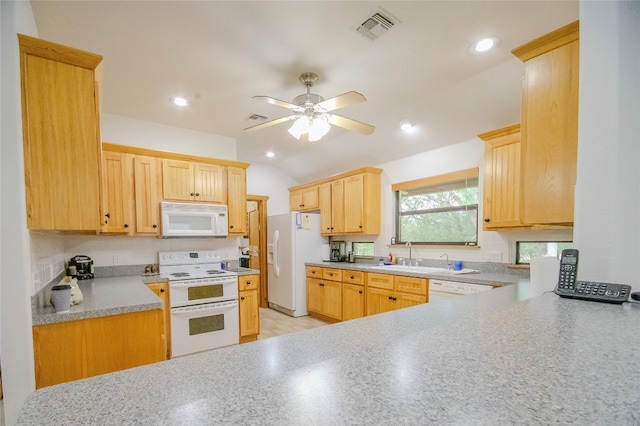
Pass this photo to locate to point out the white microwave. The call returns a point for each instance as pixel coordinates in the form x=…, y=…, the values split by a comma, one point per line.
x=194, y=220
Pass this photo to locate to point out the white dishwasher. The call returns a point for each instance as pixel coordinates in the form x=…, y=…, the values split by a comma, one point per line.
x=442, y=289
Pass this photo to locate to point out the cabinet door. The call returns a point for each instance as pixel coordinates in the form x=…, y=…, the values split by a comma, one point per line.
x=337, y=207
x=177, y=180
x=379, y=301
x=353, y=203
x=161, y=289
x=61, y=136
x=314, y=295
x=117, y=192
x=324, y=193
x=550, y=133
x=502, y=178
x=295, y=200
x=406, y=300
x=237, y=200
x=332, y=299
x=352, y=301
x=249, y=313
x=310, y=200
x=210, y=183
x=148, y=189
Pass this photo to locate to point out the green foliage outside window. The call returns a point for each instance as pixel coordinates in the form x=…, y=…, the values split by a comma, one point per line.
x=527, y=250
x=439, y=214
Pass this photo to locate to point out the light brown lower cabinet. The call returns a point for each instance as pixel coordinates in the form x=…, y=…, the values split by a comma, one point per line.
x=390, y=292
x=324, y=298
x=353, y=301
x=161, y=289
x=249, y=307
x=73, y=350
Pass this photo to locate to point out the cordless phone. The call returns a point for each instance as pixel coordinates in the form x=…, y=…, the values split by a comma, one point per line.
x=569, y=286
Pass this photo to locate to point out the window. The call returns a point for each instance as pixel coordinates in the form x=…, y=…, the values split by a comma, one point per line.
x=527, y=250
x=363, y=249
x=438, y=210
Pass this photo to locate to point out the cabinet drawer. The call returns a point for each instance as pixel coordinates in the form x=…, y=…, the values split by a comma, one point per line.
x=248, y=282
x=380, y=281
x=411, y=285
x=332, y=274
x=353, y=277
x=314, y=271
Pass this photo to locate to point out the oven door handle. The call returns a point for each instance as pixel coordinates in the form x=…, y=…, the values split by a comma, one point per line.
x=211, y=307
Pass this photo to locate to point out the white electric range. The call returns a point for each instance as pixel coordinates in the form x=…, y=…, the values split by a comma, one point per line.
x=203, y=299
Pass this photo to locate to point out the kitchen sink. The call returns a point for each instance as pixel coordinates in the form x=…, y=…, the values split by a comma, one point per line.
x=415, y=269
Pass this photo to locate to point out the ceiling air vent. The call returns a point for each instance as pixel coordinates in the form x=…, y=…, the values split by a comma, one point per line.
x=375, y=26
x=257, y=117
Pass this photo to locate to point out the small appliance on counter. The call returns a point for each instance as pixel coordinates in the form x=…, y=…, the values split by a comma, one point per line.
x=338, y=251
x=81, y=267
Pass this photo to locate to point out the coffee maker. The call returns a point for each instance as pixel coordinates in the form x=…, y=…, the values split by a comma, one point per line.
x=338, y=251
x=81, y=267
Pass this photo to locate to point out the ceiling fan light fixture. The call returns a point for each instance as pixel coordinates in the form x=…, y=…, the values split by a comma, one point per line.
x=318, y=129
x=299, y=127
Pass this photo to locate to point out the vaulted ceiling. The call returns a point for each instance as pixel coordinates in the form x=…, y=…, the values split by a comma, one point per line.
x=218, y=54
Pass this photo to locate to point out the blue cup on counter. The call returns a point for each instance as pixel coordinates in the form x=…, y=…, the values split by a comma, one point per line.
x=457, y=265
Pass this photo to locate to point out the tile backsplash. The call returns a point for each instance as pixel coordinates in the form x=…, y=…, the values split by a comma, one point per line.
x=47, y=259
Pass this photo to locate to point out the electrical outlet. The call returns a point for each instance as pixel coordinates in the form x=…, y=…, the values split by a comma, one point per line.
x=116, y=260
x=493, y=256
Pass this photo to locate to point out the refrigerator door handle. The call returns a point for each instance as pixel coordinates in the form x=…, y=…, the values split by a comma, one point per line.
x=276, y=249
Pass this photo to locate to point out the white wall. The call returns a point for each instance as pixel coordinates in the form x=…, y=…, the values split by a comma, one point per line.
x=607, y=206
x=145, y=134
x=264, y=179
x=16, y=347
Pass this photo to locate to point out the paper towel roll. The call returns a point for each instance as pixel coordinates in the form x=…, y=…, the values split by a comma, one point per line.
x=544, y=273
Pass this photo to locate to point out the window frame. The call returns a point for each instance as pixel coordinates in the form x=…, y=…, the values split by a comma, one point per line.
x=446, y=178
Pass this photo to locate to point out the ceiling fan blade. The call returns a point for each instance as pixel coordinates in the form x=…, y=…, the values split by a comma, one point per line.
x=341, y=101
x=349, y=124
x=270, y=123
x=277, y=102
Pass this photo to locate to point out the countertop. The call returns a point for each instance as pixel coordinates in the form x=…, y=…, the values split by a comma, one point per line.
x=486, y=278
x=512, y=355
x=102, y=297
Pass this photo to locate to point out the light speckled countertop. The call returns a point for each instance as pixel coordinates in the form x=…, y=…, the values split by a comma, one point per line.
x=486, y=278
x=508, y=356
x=102, y=297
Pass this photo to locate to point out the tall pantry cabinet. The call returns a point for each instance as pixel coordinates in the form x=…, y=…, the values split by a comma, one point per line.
x=61, y=136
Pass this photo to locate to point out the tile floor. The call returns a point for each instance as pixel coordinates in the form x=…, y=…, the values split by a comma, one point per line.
x=274, y=323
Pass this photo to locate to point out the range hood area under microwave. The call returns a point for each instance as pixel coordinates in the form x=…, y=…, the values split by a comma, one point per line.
x=193, y=220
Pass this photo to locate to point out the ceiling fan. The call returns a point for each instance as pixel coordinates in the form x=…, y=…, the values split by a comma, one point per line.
x=312, y=113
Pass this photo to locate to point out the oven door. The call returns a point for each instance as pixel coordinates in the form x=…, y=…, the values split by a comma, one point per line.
x=204, y=327
x=200, y=291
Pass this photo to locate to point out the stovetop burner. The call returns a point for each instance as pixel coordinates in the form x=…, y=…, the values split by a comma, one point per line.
x=192, y=265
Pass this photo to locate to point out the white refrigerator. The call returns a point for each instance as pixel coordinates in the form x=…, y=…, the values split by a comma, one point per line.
x=293, y=239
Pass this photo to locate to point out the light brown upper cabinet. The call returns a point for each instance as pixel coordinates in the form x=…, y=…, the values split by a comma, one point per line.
x=237, y=200
x=304, y=199
x=550, y=126
x=349, y=203
x=501, y=196
x=148, y=190
x=61, y=136
x=118, y=206
x=188, y=181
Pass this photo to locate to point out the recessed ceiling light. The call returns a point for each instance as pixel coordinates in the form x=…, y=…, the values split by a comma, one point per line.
x=485, y=44
x=406, y=125
x=179, y=101
x=270, y=154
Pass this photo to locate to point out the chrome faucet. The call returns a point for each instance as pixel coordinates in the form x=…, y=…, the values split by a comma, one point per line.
x=409, y=245
x=448, y=264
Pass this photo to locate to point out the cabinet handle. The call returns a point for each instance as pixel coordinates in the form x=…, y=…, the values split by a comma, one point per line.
x=360, y=226
x=360, y=291
x=162, y=290
x=107, y=215
x=241, y=297
x=126, y=226
x=390, y=298
x=230, y=226
x=301, y=205
x=351, y=277
x=330, y=274
x=193, y=193
x=154, y=226
x=197, y=194
x=321, y=285
x=486, y=219
x=247, y=283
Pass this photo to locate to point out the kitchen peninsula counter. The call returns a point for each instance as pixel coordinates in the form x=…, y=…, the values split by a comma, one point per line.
x=514, y=355
x=102, y=297
x=485, y=278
